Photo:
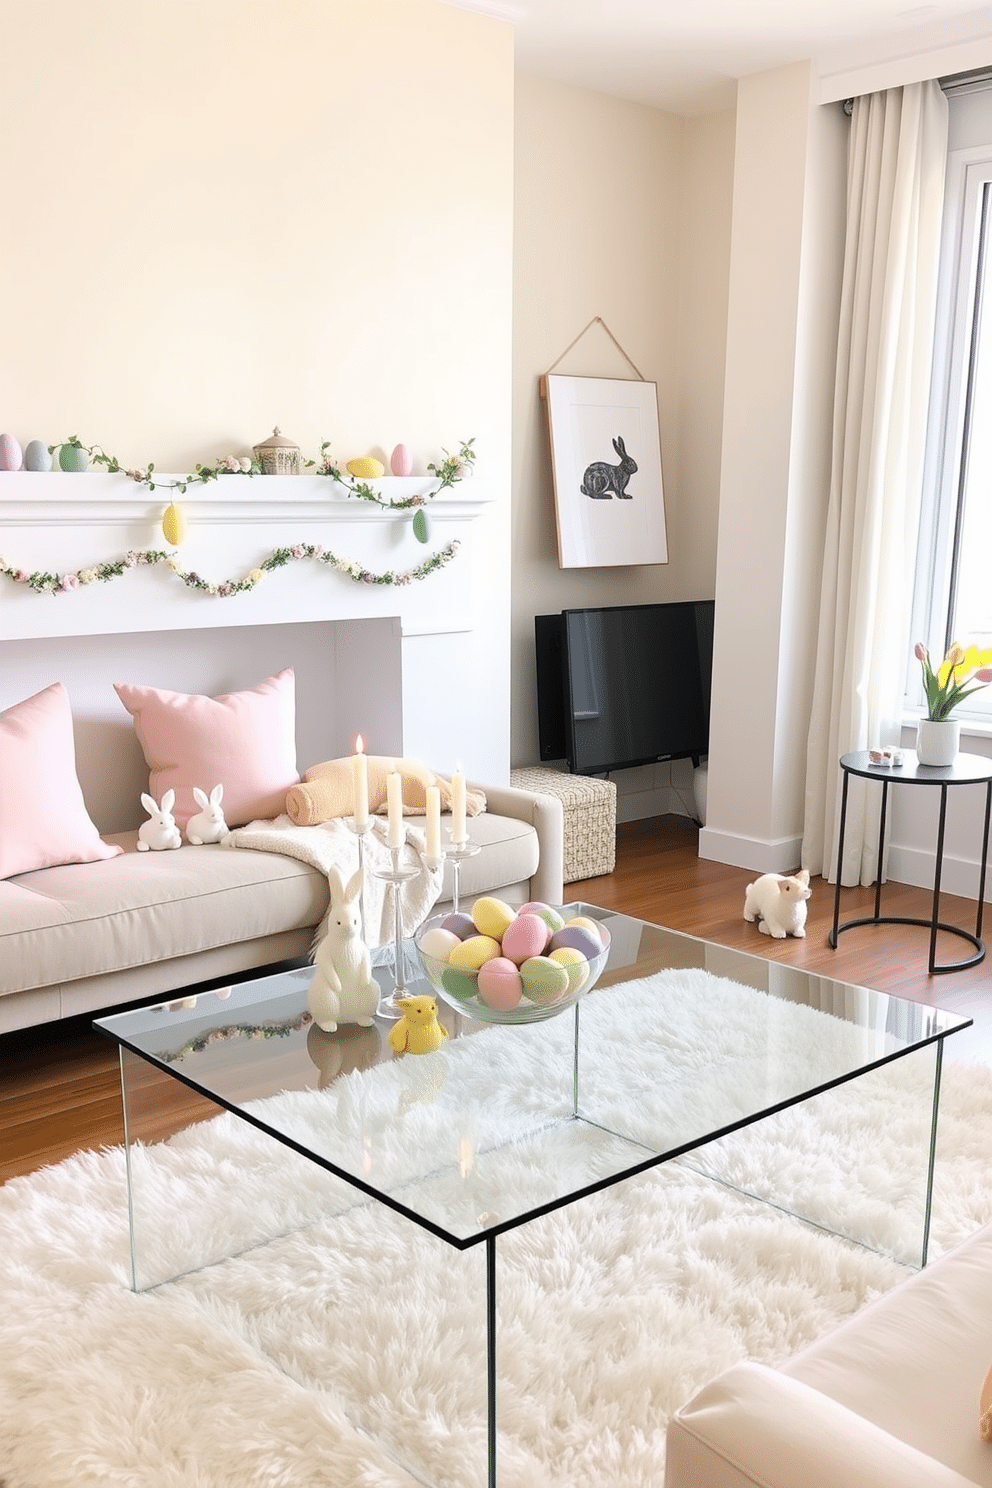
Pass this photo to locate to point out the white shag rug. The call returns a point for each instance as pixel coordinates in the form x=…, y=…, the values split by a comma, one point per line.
x=351, y=1350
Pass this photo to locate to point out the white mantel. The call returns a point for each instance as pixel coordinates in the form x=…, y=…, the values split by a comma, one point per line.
x=451, y=627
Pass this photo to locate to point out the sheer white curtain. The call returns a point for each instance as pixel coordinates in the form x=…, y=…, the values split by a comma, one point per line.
x=896, y=161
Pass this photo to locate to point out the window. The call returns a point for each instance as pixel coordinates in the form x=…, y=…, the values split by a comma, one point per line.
x=953, y=599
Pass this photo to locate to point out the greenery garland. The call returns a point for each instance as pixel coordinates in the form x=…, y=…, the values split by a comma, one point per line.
x=50, y=583
x=447, y=472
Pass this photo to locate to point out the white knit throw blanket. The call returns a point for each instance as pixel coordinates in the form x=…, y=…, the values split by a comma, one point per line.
x=333, y=844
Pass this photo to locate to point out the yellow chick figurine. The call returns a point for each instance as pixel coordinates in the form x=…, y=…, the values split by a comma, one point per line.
x=418, y=1031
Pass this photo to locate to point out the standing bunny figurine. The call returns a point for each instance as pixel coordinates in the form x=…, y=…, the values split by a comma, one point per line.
x=602, y=482
x=160, y=832
x=208, y=825
x=343, y=989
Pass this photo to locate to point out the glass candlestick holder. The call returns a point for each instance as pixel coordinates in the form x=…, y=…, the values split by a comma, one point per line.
x=360, y=833
x=396, y=875
x=456, y=853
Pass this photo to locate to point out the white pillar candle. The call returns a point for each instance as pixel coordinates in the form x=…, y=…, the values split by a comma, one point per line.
x=433, y=824
x=394, y=806
x=360, y=785
x=459, y=833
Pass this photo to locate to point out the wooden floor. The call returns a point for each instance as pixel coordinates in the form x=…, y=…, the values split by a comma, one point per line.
x=59, y=1085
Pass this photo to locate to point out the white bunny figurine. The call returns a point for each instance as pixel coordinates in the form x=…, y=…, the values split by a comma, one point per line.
x=343, y=989
x=161, y=831
x=208, y=825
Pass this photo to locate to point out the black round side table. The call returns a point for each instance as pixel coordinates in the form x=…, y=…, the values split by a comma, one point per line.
x=967, y=769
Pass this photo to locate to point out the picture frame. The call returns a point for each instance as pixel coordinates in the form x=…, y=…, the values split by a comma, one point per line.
x=606, y=468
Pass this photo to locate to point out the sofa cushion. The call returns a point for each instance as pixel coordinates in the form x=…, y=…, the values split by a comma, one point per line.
x=245, y=741
x=43, y=818
x=913, y=1361
x=64, y=924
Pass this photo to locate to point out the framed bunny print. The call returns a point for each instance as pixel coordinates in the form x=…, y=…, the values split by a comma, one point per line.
x=606, y=467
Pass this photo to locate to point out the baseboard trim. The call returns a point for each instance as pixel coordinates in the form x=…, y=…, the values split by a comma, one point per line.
x=912, y=865
x=763, y=856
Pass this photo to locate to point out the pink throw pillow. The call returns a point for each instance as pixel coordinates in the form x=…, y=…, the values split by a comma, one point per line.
x=245, y=741
x=43, y=818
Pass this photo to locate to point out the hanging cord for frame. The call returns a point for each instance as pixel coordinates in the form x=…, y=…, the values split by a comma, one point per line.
x=597, y=320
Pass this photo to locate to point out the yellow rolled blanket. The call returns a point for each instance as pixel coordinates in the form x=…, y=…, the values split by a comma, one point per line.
x=325, y=791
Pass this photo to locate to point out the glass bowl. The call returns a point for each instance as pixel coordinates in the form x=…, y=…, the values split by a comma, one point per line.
x=459, y=986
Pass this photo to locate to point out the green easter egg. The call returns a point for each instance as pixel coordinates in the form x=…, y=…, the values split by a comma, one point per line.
x=544, y=980
x=462, y=985
x=72, y=458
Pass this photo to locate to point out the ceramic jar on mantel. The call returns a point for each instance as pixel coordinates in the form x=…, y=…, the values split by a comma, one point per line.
x=937, y=741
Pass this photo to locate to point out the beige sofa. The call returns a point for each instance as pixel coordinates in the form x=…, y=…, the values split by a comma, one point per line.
x=888, y=1400
x=82, y=937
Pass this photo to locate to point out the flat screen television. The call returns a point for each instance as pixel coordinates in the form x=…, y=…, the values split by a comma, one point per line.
x=624, y=685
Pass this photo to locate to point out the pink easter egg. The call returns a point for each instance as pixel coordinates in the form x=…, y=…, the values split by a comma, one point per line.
x=551, y=917
x=527, y=936
x=500, y=984
x=401, y=460
x=11, y=456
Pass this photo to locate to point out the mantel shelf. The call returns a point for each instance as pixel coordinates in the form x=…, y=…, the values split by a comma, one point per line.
x=54, y=498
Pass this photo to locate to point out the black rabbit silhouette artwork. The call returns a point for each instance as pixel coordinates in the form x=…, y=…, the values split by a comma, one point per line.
x=602, y=482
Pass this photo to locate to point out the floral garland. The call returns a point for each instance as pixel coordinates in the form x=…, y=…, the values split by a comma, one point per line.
x=50, y=583
x=254, y=1031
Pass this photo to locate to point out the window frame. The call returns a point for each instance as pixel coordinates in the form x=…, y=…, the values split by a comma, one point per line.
x=966, y=230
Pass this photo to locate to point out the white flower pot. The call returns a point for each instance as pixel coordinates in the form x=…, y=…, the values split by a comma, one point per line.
x=937, y=743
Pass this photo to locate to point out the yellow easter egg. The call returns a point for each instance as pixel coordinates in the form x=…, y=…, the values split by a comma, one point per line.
x=470, y=954
x=574, y=963
x=365, y=468
x=491, y=916
x=174, y=525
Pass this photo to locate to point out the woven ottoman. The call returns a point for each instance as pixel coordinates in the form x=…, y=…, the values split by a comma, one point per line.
x=590, y=810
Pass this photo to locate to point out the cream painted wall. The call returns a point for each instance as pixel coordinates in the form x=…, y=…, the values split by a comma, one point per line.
x=228, y=215
x=775, y=476
x=622, y=212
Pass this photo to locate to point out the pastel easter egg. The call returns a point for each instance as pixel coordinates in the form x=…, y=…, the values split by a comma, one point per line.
x=365, y=467
x=526, y=936
x=543, y=980
x=500, y=985
x=551, y=917
x=37, y=455
x=579, y=939
x=475, y=952
x=574, y=963
x=459, y=923
x=438, y=943
x=592, y=926
x=401, y=460
x=72, y=458
x=461, y=985
x=173, y=524
x=11, y=457
x=491, y=916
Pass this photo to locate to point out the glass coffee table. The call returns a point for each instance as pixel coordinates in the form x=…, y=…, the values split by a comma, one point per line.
x=680, y=1045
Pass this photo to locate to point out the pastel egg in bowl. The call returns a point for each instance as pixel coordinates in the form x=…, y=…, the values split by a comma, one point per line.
x=501, y=964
